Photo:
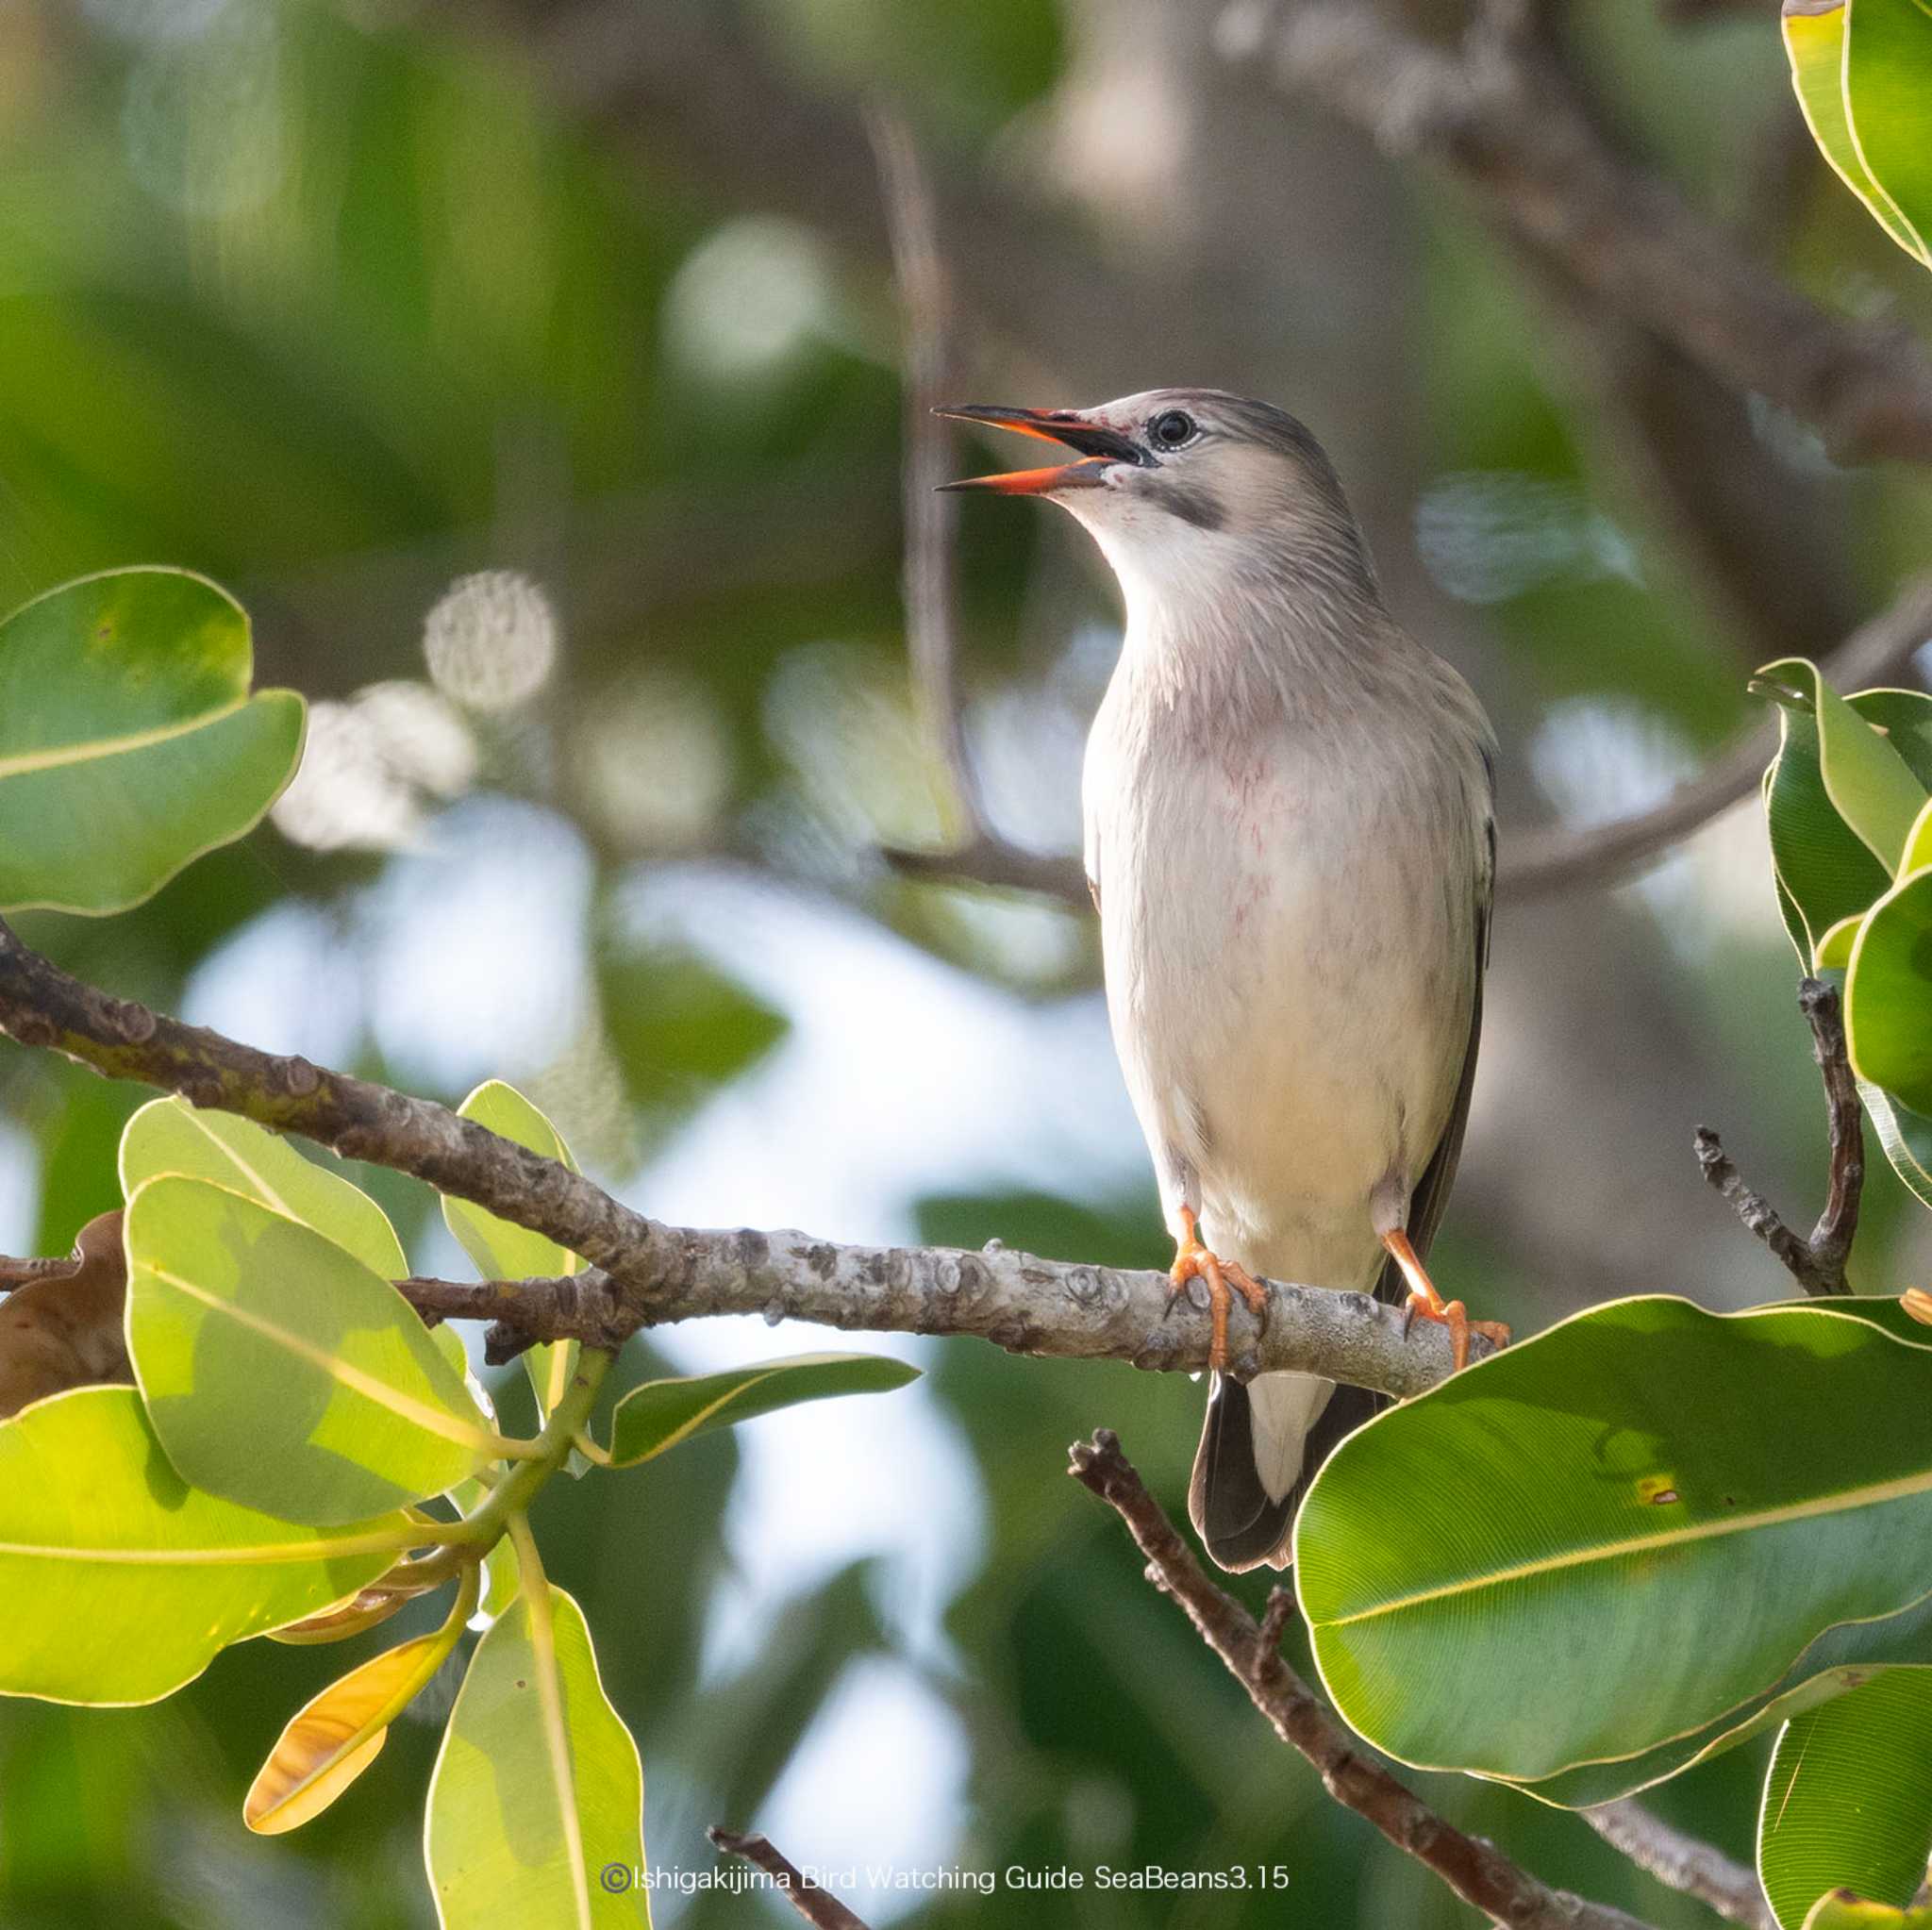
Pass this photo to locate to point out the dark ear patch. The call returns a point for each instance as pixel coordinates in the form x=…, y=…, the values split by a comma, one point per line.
x=1195, y=505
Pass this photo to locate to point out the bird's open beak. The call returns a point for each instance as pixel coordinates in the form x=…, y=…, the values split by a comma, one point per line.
x=1098, y=448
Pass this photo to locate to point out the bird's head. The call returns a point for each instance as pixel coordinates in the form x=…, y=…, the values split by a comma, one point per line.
x=1178, y=482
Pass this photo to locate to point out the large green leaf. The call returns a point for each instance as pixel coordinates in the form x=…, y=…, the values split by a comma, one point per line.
x=1634, y=1523
x=1837, y=1661
x=1848, y=1802
x=1814, y=34
x=537, y=1789
x=171, y=1136
x=502, y=1249
x=280, y=1371
x=128, y=741
x=1889, y=994
x=121, y=1582
x=1887, y=96
x=660, y=1414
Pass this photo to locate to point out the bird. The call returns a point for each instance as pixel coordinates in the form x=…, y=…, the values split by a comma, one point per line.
x=1290, y=839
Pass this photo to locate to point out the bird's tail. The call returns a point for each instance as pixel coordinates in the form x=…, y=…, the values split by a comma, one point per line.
x=1261, y=1447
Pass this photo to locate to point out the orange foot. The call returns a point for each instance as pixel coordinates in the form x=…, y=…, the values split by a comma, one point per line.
x=1424, y=1301
x=1193, y=1260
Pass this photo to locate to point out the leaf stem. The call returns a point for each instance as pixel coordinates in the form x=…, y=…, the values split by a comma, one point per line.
x=463, y=1544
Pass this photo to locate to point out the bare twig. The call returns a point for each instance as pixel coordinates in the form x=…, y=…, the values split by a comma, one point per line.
x=925, y=301
x=990, y=861
x=1509, y=128
x=645, y=1273
x=1818, y=1264
x=1838, y=1224
x=814, y=1905
x=1477, y=1871
x=1683, y=1862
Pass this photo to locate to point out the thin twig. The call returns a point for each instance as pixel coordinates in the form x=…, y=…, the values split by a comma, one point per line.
x=1818, y=1264
x=1476, y=1870
x=1683, y=1862
x=925, y=302
x=1838, y=1224
x=1536, y=863
x=814, y=1905
x=643, y=1272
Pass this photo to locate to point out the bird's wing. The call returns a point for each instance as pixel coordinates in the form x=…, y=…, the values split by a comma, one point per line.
x=1430, y=1198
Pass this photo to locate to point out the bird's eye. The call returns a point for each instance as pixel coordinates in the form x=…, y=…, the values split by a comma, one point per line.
x=1171, y=428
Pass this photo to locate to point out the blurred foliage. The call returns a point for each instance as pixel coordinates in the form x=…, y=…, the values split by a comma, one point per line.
x=333, y=302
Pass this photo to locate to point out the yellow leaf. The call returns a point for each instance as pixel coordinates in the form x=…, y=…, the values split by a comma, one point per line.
x=330, y=1742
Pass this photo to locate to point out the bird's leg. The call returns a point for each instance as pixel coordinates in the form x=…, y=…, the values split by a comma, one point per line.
x=1192, y=1260
x=1424, y=1301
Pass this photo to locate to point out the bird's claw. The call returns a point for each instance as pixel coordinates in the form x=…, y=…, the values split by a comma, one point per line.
x=1454, y=1316
x=1223, y=1279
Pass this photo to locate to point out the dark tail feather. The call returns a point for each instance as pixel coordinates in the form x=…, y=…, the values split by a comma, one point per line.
x=1241, y=1525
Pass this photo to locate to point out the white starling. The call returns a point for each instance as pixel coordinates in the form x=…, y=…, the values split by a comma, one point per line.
x=1290, y=842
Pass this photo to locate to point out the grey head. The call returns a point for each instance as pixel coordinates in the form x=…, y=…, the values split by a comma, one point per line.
x=1186, y=485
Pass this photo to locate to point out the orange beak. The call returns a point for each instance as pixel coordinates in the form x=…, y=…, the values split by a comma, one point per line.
x=1098, y=448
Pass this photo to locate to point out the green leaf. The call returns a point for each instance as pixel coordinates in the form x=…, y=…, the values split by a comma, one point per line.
x=1905, y=718
x=1889, y=994
x=1841, y=1911
x=1814, y=32
x=500, y=1249
x=121, y=1581
x=1848, y=1802
x=129, y=743
x=1887, y=96
x=1869, y=784
x=1824, y=874
x=1840, y=1660
x=171, y=1136
x=538, y=1788
x=1835, y=947
x=280, y=1371
x=1918, y=845
x=660, y=1414
x=1602, y=1499
x=1906, y=1138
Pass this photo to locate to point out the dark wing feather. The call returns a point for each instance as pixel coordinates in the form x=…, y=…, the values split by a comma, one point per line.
x=1430, y=1199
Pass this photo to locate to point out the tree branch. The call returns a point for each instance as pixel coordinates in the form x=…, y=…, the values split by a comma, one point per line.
x=1509, y=128
x=646, y=1273
x=1818, y=1263
x=1683, y=1862
x=814, y=1905
x=1477, y=1871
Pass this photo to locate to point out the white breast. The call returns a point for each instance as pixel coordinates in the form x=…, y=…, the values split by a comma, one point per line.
x=1287, y=912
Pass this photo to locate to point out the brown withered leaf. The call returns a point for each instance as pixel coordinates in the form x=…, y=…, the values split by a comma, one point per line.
x=63, y=1327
